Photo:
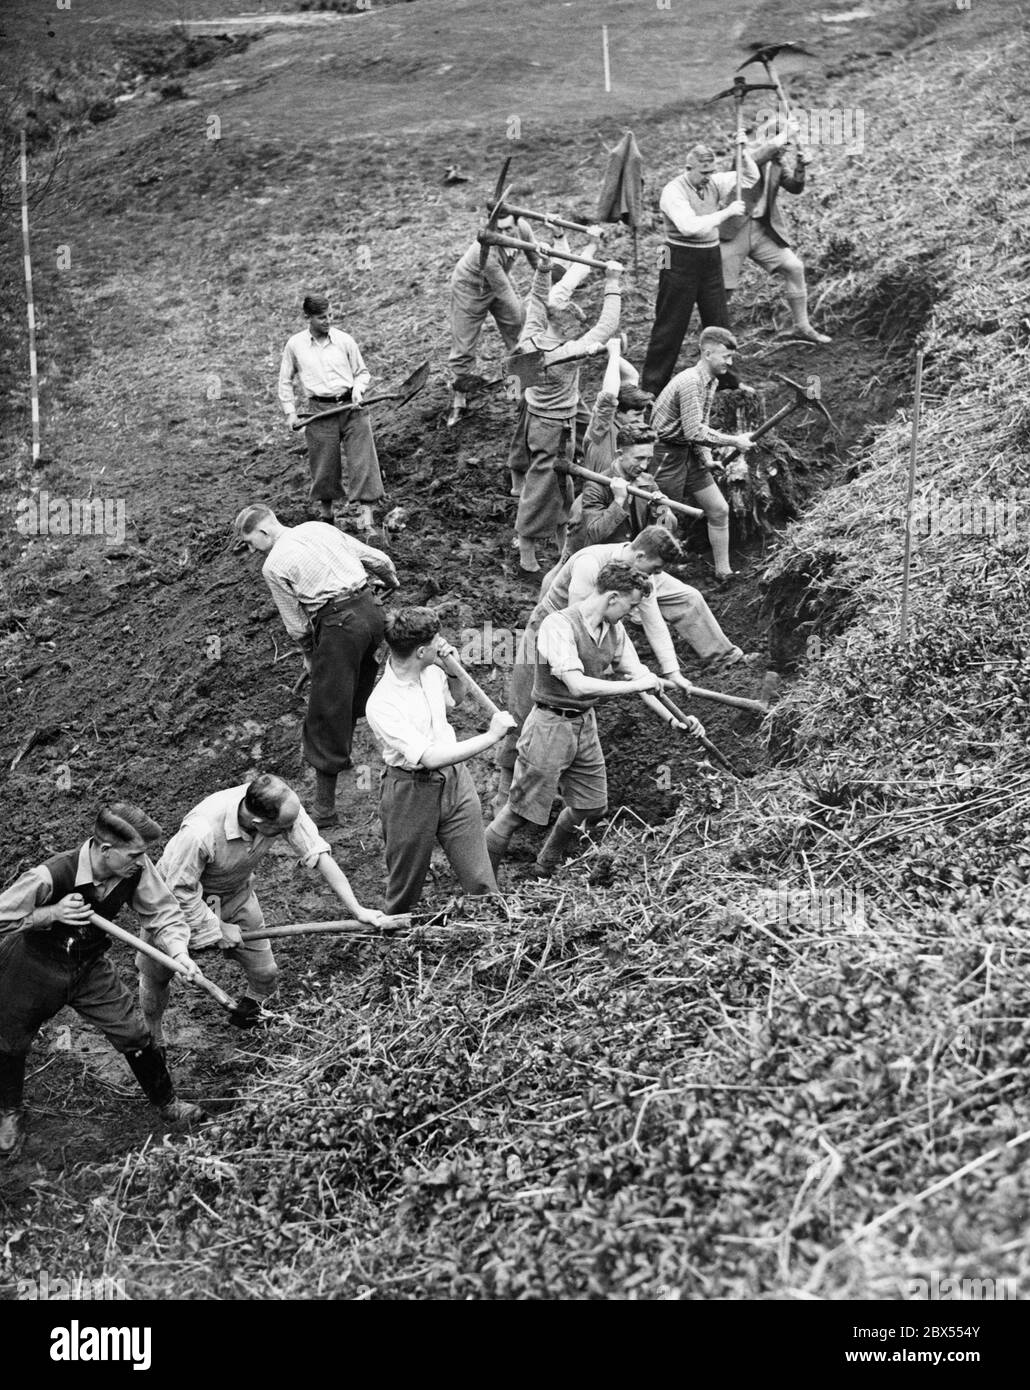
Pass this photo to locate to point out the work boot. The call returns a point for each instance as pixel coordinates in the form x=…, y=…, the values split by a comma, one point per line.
x=12, y=1134
x=180, y=1112
x=808, y=334
x=325, y=512
x=459, y=407
x=555, y=848
x=150, y=1069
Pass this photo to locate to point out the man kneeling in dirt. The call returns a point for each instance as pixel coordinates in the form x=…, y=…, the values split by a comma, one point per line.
x=51, y=955
x=560, y=749
x=209, y=865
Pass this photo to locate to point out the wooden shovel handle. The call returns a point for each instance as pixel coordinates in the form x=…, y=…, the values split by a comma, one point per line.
x=635, y=491
x=454, y=668
x=120, y=934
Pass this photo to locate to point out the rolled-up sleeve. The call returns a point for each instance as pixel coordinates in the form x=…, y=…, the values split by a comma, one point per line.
x=17, y=903
x=160, y=913
x=305, y=841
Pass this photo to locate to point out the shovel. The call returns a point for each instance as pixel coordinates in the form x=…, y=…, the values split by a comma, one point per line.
x=662, y=705
x=410, y=386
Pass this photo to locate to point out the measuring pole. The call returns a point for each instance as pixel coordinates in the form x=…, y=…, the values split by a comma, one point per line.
x=607, y=65
x=33, y=370
x=916, y=397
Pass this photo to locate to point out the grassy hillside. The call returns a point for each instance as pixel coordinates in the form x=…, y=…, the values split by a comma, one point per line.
x=648, y=1078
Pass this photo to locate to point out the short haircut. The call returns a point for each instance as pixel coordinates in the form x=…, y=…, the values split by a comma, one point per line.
x=700, y=154
x=625, y=437
x=251, y=518
x=266, y=795
x=623, y=578
x=315, y=303
x=710, y=336
x=409, y=628
x=659, y=543
x=120, y=822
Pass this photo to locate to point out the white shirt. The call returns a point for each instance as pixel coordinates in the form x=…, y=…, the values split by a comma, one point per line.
x=326, y=367
x=407, y=717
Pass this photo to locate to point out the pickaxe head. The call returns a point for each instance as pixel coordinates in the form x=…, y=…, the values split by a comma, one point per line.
x=804, y=399
x=740, y=89
x=766, y=53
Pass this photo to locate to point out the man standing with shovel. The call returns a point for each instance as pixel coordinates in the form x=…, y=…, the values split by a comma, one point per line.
x=52, y=955
x=209, y=865
x=332, y=372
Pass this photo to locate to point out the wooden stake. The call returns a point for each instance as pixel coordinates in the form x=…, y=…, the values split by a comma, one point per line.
x=916, y=398
x=607, y=65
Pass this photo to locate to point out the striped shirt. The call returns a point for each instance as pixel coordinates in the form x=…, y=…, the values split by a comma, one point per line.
x=326, y=367
x=680, y=413
x=312, y=563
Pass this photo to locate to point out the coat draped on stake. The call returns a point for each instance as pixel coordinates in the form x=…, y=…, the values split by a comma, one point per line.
x=622, y=189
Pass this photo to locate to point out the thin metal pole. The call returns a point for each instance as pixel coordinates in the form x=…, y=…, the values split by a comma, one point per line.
x=916, y=398
x=607, y=65
x=33, y=370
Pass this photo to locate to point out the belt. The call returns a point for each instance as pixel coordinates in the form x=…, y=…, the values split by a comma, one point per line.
x=563, y=713
x=418, y=774
x=333, y=605
x=331, y=400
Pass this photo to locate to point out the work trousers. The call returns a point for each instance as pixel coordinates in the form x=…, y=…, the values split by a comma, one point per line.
x=349, y=433
x=545, y=496
x=35, y=985
x=472, y=300
x=694, y=276
x=343, y=672
x=426, y=808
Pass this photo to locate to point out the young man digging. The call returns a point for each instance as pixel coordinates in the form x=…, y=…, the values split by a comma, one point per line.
x=427, y=794
x=559, y=749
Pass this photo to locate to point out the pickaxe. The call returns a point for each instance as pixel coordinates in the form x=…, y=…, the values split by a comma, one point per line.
x=120, y=934
x=634, y=491
x=342, y=924
x=802, y=401
x=495, y=212
x=765, y=56
x=530, y=365
x=663, y=706
x=487, y=238
x=739, y=92
x=509, y=210
x=410, y=386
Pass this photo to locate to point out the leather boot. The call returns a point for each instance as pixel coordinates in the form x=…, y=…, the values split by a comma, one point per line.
x=151, y=1071
x=12, y=1113
x=555, y=847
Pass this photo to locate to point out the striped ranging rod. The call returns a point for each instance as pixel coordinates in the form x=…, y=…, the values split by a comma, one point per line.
x=33, y=369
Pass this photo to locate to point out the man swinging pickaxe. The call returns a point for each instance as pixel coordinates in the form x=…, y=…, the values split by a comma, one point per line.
x=739, y=92
x=803, y=400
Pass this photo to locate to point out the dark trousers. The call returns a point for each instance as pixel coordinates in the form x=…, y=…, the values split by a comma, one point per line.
x=417, y=813
x=343, y=672
x=351, y=432
x=694, y=276
x=35, y=985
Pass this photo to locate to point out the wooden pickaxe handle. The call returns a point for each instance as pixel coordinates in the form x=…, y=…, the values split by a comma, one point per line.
x=342, y=924
x=453, y=667
x=736, y=701
x=120, y=934
x=339, y=409
x=705, y=742
x=634, y=491
x=499, y=239
x=766, y=426
x=543, y=217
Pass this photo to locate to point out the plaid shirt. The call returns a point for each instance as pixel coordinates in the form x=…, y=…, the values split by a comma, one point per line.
x=313, y=563
x=680, y=414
